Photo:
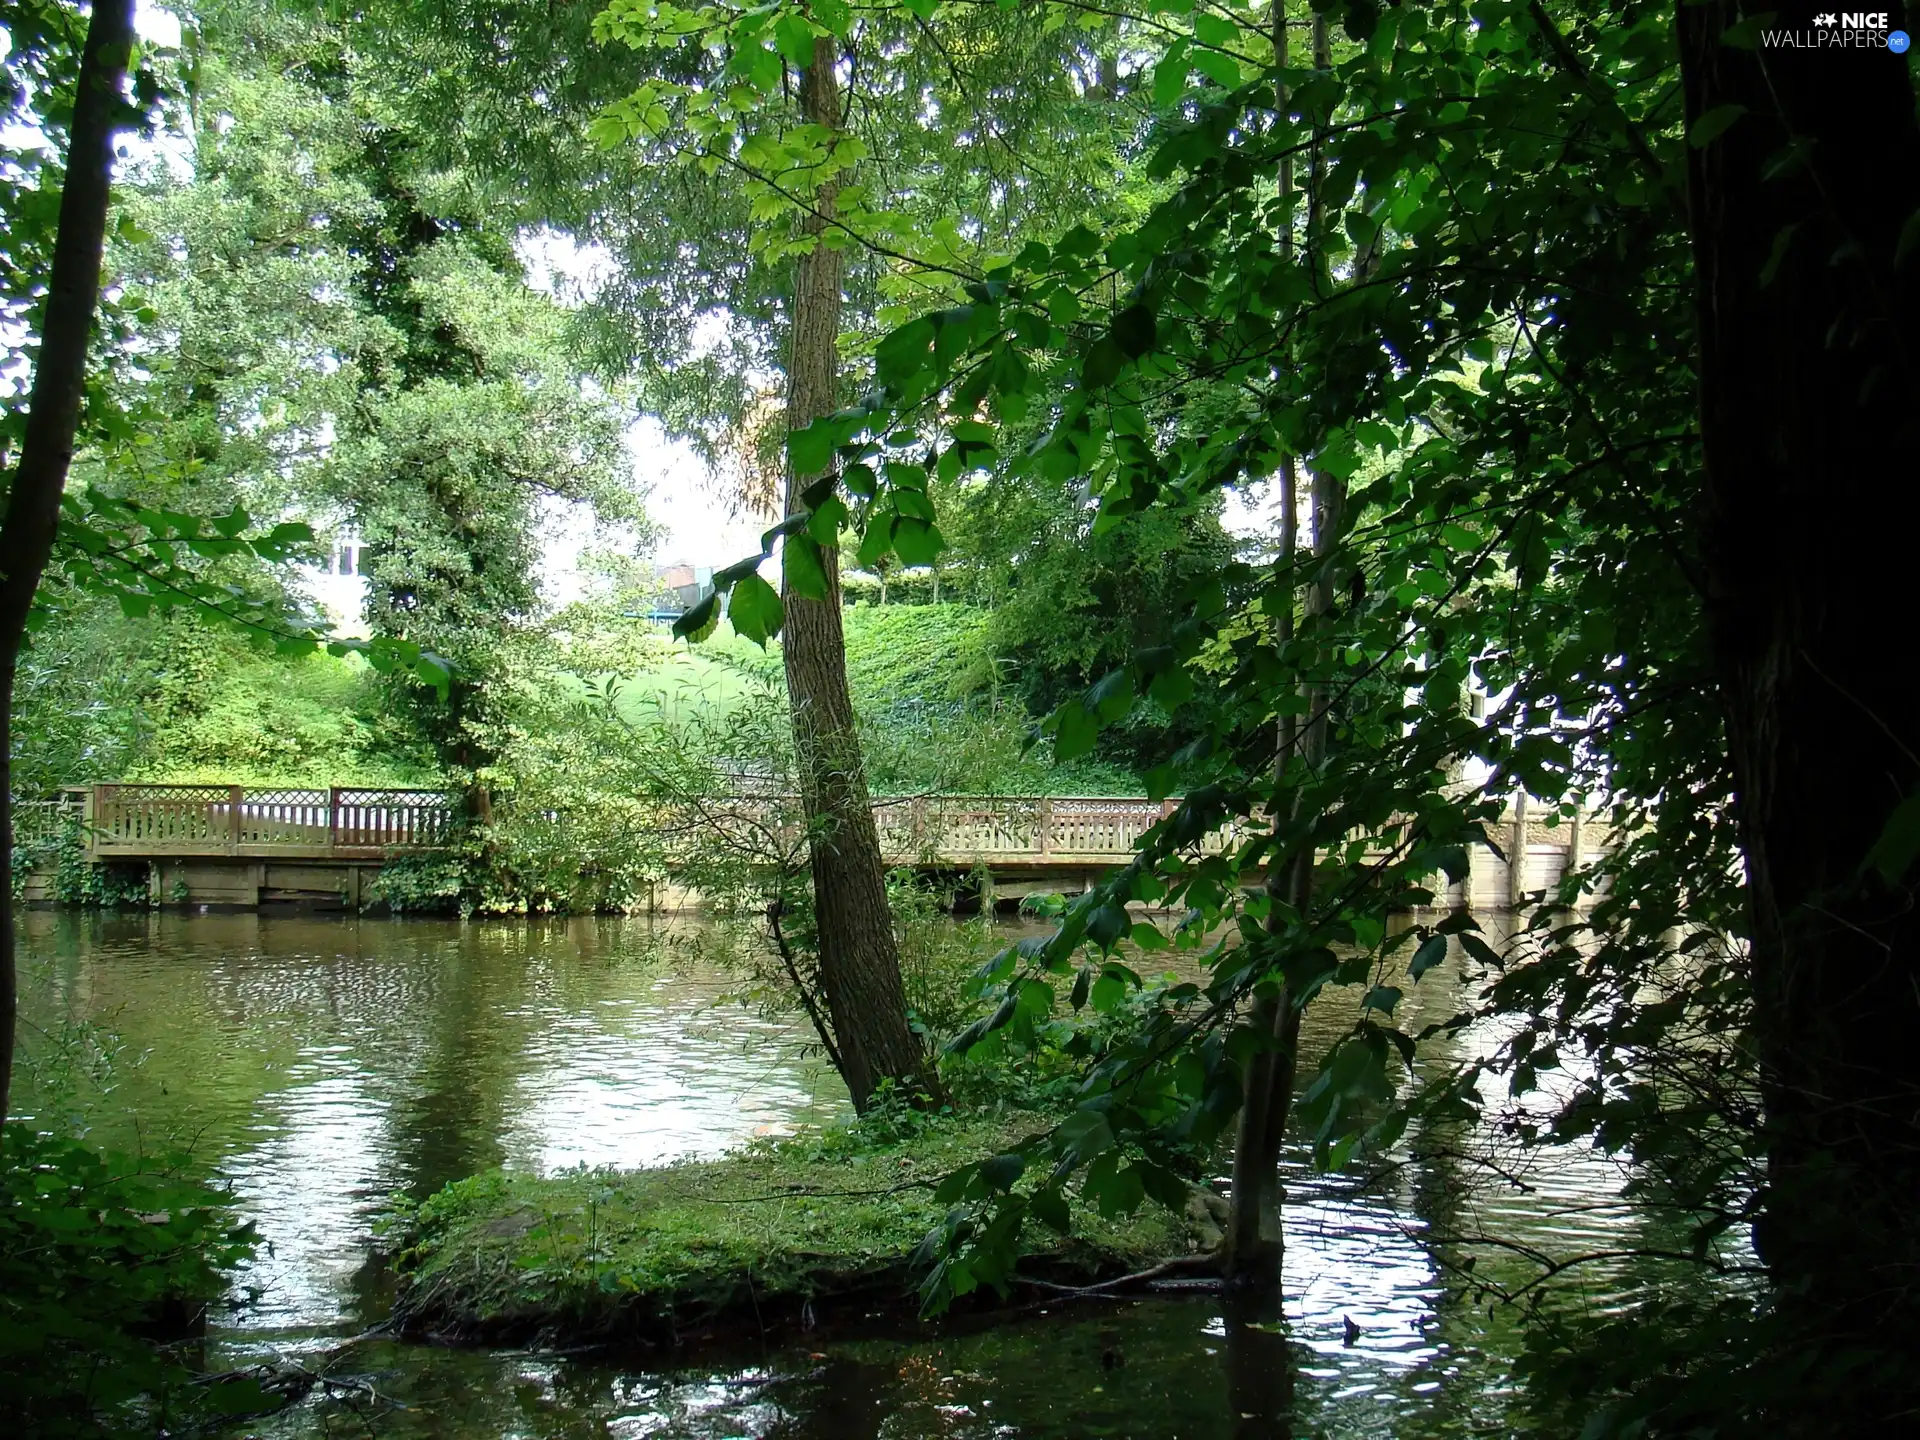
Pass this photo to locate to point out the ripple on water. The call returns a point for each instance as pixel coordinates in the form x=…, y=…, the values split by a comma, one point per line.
x=327, y=1063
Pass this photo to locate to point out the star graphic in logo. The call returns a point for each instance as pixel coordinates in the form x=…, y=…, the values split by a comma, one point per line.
x=1828, y=19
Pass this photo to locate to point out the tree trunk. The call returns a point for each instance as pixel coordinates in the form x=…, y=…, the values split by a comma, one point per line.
x=1256, y=1241
x=859, y=959
x=1810, y=422
x=53, y=417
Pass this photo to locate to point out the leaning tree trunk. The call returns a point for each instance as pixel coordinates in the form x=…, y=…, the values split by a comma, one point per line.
x=859, y=959
x=1810, y=421
x=1255, y=1234
x=53, y=416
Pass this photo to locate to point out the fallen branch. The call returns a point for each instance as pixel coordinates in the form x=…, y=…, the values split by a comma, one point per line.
x=1205, y=1261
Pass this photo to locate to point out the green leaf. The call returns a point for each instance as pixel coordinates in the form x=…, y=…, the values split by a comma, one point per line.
x=1170, y=75
x=1909, y=240
x=1715, y=123
x=1107, y=926
x=1078, y=243
x=826, y=521
x=1133, y=331
x=1112, y=696
x=1383, y=998
x=1049, y=1206
x=1215, y=30
x=1171, y=689
x=1432, y=951
x=877, y=543
x=955, y=1185
x=1163, y=1186
x=1480, y=950
x=725, y=579
x=1745, y=34
x=1894, y=852
x=811, y=449
x=1117, y=1193
x=1776, y=256
x=1218, y=67
x=904, y=353
x=1146, y=936
x=1084, y=1134
x=803, y=568
x=434, y=670
x=760, y=65
x=917, y=542
x=753, y=607
x=1074, y=730
x=1103, y=364
x=794, y=37
x=1002, y=1171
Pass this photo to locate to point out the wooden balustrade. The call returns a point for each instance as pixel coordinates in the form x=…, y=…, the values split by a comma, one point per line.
x=344, y=823
x=1036, y=840
x=157, y=820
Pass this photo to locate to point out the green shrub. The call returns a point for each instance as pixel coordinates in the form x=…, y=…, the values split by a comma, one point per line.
x=78, y=881
x=106, y=1266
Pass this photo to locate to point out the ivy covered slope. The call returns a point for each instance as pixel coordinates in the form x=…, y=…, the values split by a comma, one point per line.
x=705, y=1250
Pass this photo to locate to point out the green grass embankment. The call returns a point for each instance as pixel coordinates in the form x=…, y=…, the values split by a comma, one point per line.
x=819, y=1229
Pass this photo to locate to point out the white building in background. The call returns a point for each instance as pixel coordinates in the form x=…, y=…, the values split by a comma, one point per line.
x=339, y=587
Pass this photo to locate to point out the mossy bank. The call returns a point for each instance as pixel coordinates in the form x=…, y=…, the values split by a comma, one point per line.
x=815, y=1230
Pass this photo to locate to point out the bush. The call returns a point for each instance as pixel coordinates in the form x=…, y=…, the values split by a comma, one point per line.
x=78, y=881
x=107, y=1264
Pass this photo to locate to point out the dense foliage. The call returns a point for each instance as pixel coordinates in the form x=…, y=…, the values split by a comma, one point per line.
x=1469, y=328
x=108, y=1263
x=1299, y=414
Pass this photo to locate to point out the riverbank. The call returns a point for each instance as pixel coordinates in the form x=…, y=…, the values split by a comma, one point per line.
x=817, y=1230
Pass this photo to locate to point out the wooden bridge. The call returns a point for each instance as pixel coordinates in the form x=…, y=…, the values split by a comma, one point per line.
x=232, y=845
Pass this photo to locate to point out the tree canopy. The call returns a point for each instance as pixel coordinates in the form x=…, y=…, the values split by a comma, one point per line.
x=1352, y=425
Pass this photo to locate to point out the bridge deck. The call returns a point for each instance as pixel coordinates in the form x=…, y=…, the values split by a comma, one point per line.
x=134, y=822
x=307, y=832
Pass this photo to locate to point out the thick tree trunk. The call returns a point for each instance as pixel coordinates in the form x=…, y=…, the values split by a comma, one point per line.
x=859, y=959
x=1810, y=420
x=53, y=418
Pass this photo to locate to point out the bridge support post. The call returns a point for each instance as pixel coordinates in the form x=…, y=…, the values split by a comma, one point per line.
x=234, y=794
x=1517, y=853
x=1043, y=826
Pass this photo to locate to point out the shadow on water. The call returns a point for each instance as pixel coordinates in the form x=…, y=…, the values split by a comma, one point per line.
x=323, y=1063
x=1260, y=1368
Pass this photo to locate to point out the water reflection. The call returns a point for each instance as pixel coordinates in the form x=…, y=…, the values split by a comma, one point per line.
x=324, y=1063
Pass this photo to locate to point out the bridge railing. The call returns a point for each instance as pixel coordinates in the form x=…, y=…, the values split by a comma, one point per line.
x=342, y=821
x=136, y=819
x=1056, y=828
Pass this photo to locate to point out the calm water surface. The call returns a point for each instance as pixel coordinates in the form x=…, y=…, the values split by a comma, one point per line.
x=322, y=1064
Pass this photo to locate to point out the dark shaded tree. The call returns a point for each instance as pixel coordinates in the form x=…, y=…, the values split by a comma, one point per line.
x=1804, y=197
x=37, y=479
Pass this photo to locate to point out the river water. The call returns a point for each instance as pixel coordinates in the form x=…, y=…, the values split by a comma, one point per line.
x=323, y=1063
